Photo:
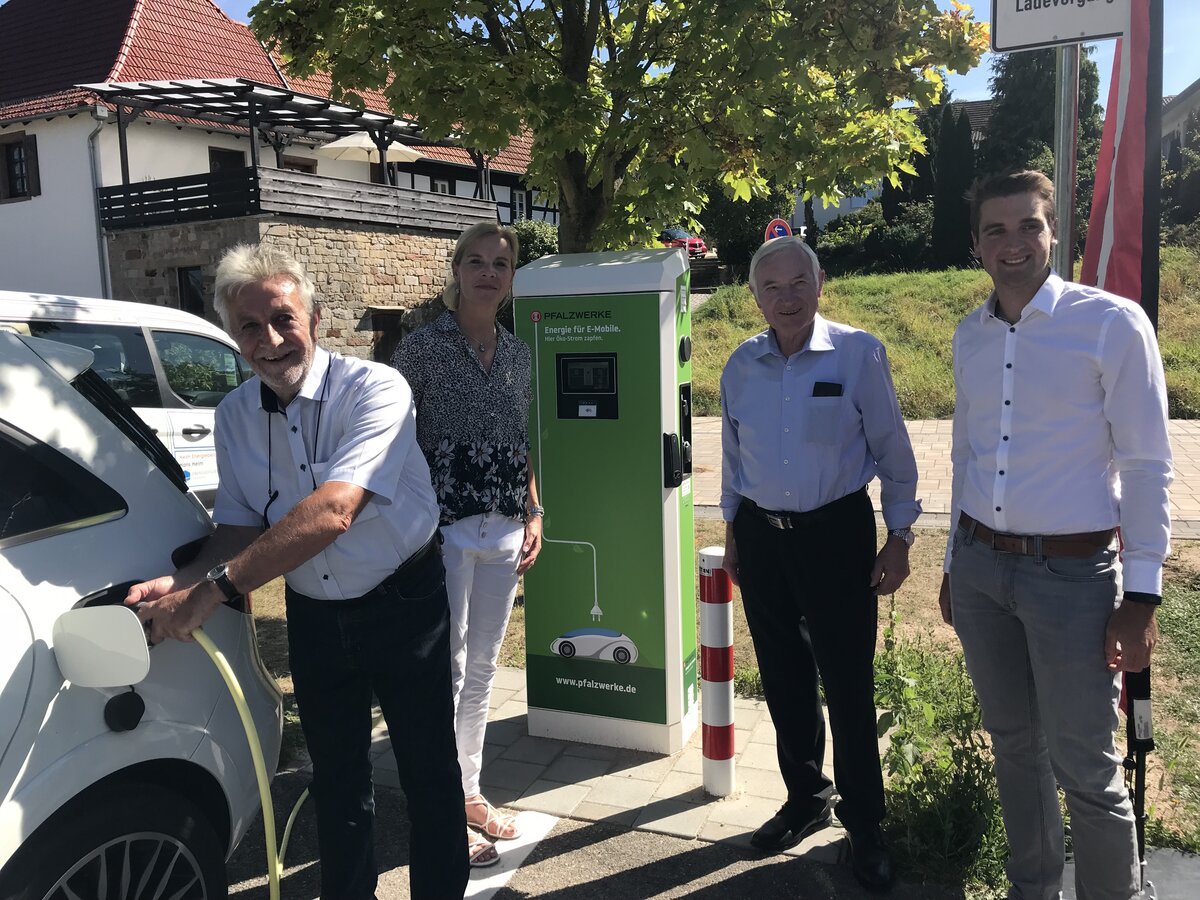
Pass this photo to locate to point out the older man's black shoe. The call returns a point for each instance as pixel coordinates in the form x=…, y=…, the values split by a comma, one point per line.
x=869, y=859
x=785, y=830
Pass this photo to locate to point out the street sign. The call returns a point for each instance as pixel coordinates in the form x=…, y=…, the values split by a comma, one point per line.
x=1028, y=24
x=777, y=228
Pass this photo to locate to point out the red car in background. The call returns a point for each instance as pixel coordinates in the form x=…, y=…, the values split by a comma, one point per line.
x=677, y=237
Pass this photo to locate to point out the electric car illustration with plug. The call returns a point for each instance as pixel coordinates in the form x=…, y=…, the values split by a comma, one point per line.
x=596, y=643
x=143, y=776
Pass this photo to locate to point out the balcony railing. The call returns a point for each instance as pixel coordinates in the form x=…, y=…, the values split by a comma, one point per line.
x=249, y=192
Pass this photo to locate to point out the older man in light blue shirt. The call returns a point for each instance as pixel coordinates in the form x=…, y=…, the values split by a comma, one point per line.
x=809, y=418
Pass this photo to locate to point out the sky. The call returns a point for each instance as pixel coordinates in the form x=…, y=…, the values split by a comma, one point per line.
x=1181, y=24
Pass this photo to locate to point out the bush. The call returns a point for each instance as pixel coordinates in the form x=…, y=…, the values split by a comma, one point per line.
x=736, y=226
x=944, y=821
x=538, y=239
x=842, y=245
x=905, y=244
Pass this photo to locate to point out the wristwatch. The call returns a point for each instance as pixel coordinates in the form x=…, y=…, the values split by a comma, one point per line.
x=905, y=534
x=535, y=511
x=219, y=575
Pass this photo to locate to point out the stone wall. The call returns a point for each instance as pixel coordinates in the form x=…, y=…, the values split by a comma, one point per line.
x=354, y=267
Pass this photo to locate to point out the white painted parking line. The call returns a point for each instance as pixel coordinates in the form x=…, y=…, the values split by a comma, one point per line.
x=485, y=882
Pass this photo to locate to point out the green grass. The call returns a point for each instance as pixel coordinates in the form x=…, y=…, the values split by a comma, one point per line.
x=915, y=314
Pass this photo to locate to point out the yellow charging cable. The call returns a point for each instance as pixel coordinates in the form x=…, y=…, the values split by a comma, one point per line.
x=274, y=858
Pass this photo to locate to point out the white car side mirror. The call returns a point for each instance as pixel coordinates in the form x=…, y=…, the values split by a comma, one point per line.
x=101, y=647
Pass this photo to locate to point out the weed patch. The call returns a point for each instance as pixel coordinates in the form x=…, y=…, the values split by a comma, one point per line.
x=915, y=314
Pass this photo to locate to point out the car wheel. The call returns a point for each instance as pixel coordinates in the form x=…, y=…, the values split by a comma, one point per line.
x=139, y=841
x=621, y=655
x=567, y=649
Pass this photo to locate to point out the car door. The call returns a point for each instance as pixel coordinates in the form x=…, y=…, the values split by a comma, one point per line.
x=199, y=371
x=121, y=357
x=16, y=668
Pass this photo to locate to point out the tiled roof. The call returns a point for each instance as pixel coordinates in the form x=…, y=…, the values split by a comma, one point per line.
x=513, y=158
x=171, y=39
x=49, y=46
x=979, y=113
x=45, y=49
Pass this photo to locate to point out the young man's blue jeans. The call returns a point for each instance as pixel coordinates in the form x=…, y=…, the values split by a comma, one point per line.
x=1032, y=630
x=394, y=642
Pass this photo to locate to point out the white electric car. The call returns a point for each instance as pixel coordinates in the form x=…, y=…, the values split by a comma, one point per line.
x=173, y=368
x=596, y=643
x=139, y=790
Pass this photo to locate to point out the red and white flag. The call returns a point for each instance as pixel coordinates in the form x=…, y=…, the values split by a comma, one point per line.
x=1112, y=259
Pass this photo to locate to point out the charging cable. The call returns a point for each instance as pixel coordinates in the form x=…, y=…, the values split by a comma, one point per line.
x=274, y=857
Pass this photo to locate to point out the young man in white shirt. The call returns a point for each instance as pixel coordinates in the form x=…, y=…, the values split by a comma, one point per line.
x=1060, y=436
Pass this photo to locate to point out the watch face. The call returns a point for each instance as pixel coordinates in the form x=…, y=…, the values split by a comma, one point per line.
x=216, y=572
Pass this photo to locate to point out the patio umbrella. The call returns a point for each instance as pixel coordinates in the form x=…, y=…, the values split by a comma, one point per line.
x=360, y=147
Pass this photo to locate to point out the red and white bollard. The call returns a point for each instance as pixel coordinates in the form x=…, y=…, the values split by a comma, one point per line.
x=716, y=673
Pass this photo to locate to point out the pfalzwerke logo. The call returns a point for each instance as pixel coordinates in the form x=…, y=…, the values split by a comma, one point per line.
x=535, y=316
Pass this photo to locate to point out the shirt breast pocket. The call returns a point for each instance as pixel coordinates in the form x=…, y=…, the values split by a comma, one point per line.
x=822, y=420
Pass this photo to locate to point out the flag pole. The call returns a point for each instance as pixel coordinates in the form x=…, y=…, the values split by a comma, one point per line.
x=1152, y=190
x=1066, y=153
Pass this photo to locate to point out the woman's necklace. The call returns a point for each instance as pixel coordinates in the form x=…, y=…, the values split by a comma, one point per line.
x=483, y=345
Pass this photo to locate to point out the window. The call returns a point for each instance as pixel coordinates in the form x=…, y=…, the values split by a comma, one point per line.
x=220, y=160
x=440, y=185
x=191, y=290
x=44, y=493
x=121, y=356
x=199, y=370
x=297, y=164
x=519, y=209
x=19, y=179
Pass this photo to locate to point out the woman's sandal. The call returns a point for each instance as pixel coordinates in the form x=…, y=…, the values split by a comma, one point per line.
x=481, y=852
x=496, y=825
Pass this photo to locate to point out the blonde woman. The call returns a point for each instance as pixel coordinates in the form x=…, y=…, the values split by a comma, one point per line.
x=470, y=382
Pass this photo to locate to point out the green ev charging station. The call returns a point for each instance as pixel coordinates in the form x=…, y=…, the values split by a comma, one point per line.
x=610, y=607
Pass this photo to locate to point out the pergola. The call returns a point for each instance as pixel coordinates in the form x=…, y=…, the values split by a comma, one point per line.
x=282, y=114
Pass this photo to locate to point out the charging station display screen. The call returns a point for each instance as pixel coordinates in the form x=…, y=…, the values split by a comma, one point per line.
x=587, y=385
x=589, y=376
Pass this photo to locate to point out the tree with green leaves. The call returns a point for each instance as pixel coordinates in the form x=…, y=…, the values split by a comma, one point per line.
x=737, y=227
x=1021, y=132
x=633, y=106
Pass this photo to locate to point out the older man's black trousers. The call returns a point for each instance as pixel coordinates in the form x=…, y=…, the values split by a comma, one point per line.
x=809, y=605
x=396, y=643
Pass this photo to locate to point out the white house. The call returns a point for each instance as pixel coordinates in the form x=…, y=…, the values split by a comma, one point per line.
x=61, y=145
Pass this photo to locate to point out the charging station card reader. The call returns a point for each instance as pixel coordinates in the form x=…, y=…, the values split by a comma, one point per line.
x=587, y=385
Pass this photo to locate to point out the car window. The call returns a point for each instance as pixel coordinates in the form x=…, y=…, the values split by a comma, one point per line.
x=121, y=356
x=44, y=493
x=200, y=370
x=100, y=394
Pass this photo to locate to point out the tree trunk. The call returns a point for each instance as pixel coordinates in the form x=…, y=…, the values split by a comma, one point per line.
x=580, y=215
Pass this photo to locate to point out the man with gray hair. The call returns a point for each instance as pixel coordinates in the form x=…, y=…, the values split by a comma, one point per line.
x=322, y=482
x=809, y=418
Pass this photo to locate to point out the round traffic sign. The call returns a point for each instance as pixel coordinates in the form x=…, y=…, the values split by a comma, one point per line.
x=776, y=229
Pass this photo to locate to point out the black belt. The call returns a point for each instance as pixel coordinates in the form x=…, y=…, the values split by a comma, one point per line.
x=432, y=547
x=1067, y=546
x=787, y=520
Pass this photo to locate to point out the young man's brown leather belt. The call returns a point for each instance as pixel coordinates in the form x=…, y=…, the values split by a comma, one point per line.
x=1071, y=546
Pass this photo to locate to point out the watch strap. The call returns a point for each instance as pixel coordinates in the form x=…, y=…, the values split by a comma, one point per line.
x=220, y=577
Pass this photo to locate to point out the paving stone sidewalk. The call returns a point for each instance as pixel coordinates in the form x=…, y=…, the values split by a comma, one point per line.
x=629, y=788
x=931, y=444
